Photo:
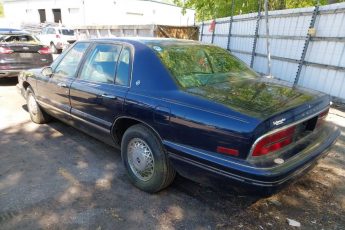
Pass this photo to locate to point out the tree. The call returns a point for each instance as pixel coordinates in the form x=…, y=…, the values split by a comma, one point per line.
x=206, y=9
x=1, y=10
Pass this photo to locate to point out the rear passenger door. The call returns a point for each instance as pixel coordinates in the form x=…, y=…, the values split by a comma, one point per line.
x=98, y=94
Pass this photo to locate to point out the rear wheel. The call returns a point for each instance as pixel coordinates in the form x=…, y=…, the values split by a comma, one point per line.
x=145, y=160
x=37, y=115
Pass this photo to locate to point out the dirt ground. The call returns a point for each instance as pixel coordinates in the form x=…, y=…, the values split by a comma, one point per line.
x=55, y=177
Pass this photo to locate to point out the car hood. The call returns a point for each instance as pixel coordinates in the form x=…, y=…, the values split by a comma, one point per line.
x=259, y=97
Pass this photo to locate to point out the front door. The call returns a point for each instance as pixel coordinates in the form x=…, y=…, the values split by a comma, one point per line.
x=54, y=90
x=98, y=94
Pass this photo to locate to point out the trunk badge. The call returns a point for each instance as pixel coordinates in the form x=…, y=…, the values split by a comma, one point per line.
x=279, y=122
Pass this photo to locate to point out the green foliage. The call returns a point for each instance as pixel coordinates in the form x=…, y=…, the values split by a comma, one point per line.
x=1, y=10
x=305, y=3
x=206, y=9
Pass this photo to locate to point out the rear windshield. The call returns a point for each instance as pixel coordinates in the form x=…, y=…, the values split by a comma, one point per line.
x=199, y=65
x=18, y=38
x=66, y=32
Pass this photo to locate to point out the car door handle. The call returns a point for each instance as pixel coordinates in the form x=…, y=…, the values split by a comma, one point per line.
x=62, y=85
x=109, y=96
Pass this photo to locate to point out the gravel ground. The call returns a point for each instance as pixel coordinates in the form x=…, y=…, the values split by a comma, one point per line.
x=54, y=177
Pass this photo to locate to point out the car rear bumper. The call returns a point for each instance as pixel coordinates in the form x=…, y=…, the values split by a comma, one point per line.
x=214, y=168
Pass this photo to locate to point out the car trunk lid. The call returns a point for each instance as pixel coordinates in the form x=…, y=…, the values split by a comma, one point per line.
x=276, y=104
x=261, y=98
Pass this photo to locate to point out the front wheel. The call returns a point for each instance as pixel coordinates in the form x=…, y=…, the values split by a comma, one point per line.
x=145, y=160
x=37, y=115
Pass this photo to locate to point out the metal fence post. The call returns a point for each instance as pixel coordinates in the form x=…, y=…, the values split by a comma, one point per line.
x=230, y=25
x=306, y=45
x=202, y=30
x=256, y=35
x=214, y=29
x=268, y=39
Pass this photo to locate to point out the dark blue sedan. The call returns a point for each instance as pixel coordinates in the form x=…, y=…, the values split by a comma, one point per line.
x=182, y=106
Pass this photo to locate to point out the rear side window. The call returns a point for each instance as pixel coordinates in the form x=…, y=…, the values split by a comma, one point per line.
x=123, y=68
x=67, y=32
x=100, y=65
x=18, y=39
x=69, y=64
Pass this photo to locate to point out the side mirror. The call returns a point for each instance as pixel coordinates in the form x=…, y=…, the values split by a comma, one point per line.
x=47, y=71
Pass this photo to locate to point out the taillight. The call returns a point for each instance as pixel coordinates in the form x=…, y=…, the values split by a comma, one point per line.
x=324, y=114
x=5, y=50
x=224, y=150
x=274, y=142
x=57, y=36
x=44, y=50
x=322, y=117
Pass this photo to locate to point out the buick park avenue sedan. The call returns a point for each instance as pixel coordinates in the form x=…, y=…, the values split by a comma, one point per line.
x=186, y=107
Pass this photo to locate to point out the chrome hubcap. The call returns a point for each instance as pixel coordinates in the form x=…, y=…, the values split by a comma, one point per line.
x=140, y=159
x=32, y=105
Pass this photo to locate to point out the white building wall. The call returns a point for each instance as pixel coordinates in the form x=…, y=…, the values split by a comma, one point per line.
x=93, y=12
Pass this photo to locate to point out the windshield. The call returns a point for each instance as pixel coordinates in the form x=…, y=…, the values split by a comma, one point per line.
x=66, y=32
x=199, y=65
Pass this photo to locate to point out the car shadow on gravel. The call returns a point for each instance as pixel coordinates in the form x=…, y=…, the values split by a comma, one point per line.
x=54, y=176
x=8, y=81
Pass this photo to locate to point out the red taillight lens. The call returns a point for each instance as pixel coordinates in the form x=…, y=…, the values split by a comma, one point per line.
x=274, y=142
x=44, y=50
x=233, y=152
x=322, y=117
x=5, y=50
x=324, y=114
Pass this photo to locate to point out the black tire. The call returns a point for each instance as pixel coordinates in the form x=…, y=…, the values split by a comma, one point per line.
x=163, y=173
x=37, y=115
x=53, y=48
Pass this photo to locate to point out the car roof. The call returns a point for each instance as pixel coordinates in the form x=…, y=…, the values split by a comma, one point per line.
x=57, y=27
x=12, y=31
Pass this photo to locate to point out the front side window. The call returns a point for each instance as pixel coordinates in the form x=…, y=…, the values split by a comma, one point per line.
x=69, y=64
x=100, y=65
x=199, y=65
x=66, y=32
